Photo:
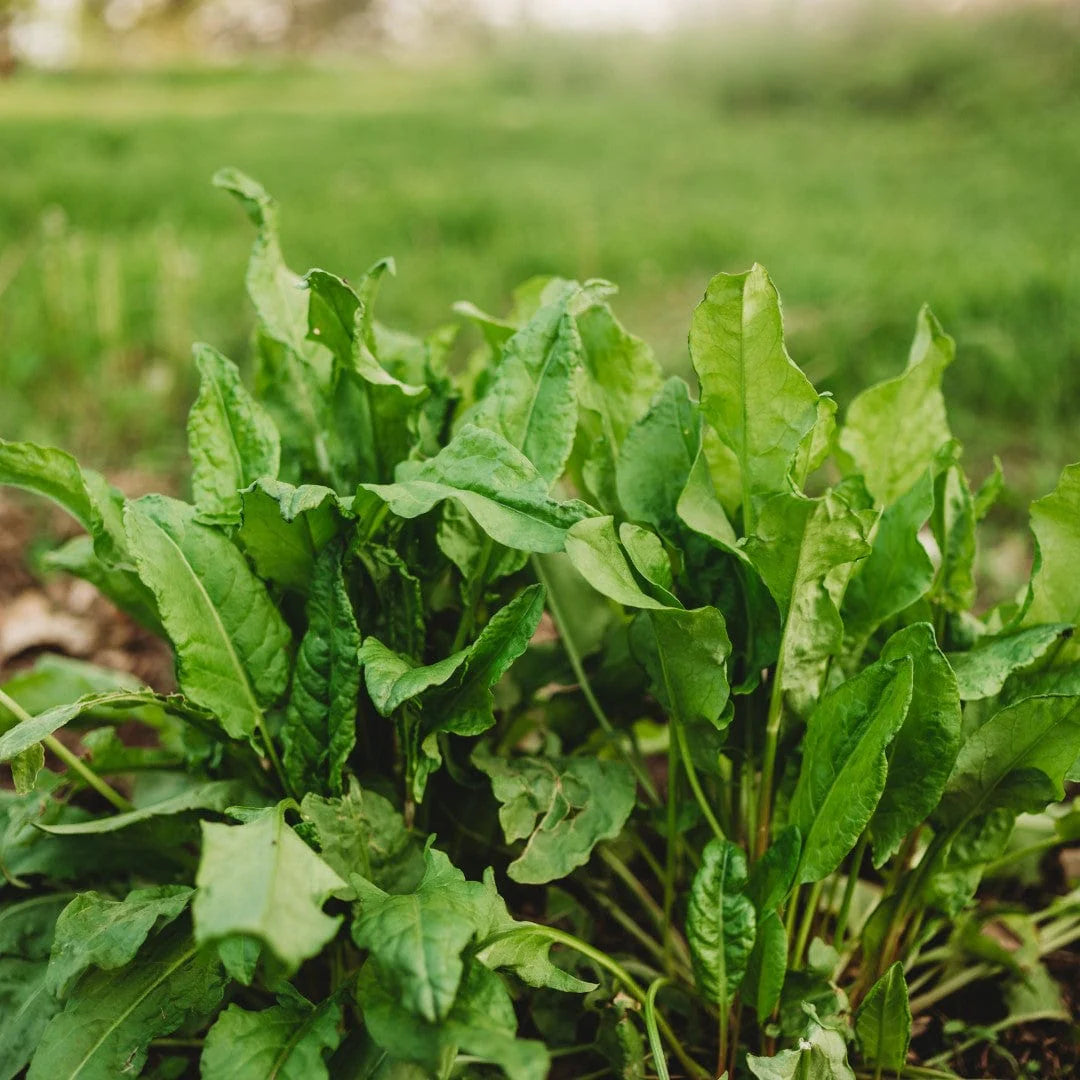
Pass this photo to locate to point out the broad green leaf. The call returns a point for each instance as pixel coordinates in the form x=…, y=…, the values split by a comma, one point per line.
x=231, y=644
x=821, y=1055
x=898, y=571
x=97, y=931
x=657, y=456
x=481, y=1024
x=531, y=398
x=766, y=965
x=760, y=403
x=594, y=549
x=883, y=1021
x=283, y=528
x=280, y=302
x=215, y=795
x=26, y=1007
x=55, y=680
x=1015, y=762
x=362, y=833
x=817, y=442
x=498, y=485
x=893, y=430
x=27, y=926
x=320, y=717
x=262, y=880
x=620, y=378
x=564, y=806
x=111, y=1017
x=371, y=422
x=844, y=763
x=686, y=657
x=463, y=704
x=472, y=551
x=392, y=680
x=231, y=439
x=418, y=939
x=701, y=505
x=84, y=494
x=982, y=672
x=772, y=876
x=649, y=558
x=288, y=1041
x=521, y=947
x=953, y=522
x=1055, y=521
x=720, y=922
x=805, y=551
x=925, y=748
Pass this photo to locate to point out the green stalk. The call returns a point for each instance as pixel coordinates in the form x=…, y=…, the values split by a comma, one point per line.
x=632, y=987
x=633, y=760
x=807, y=922
x=71, y=760
x=695, y=783
x=476, y=593
x=272, y=755
x=768, y=760
x=671, y=850
x=849, y=890
x=659, y=1058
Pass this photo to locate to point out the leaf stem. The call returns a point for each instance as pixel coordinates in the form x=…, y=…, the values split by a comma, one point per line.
x=475, y=594
x=849, y=890
x=695, y=783
x=633, y=760
x=70, y=759
x=602, y=960
x=272, y=756
x=812, y=902
x=659, y=1058
x=768, y=760
x=670, y=848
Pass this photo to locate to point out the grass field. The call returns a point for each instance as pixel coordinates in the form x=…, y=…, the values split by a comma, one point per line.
x=869, y=170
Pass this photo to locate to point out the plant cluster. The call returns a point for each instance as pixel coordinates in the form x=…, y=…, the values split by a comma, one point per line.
x=538, y=719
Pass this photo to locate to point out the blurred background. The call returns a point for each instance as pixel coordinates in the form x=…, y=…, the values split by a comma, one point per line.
x=871, y=155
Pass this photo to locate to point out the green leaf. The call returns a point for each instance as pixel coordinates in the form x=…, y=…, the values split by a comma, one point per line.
x=112, y=1016
x=482, y=1024
x=894, y=429
x=284, y=528
x=27, y=926
x=320, y=718
x=686, y=660
x=982, y=672
x=497, y=484
x=620, y=378
x=760, y=403
x=392, y=680
x=84, y=494
x=231, y=439
x=883, y=1021
x=97, y=931
x=597, y=555
x=363, y=833
x=1017, y=762
x=280, y=302
x=262, y=880
x=1055, y=521
x=231, y=644
x=925, y=748
x=463, y=704
x=898, y=571
x=531, y=398
x=418, y=939
x=371, y=423
x=720, y=922
x=953, y=522
x=25, y=768
x=26, y=1007
x=565, y=806
x=805, y=551
x=844, y=764
x=521, y=947
x=772, y=876
x=288, y=1041
x=822, y=1055
x=767, y=965
x=657, y=456
x=817, y=442
x=215, y=795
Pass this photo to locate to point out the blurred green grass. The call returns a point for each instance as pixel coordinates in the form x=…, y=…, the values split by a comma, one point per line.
x=870, y=168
